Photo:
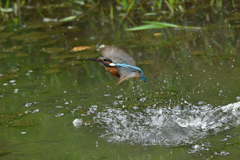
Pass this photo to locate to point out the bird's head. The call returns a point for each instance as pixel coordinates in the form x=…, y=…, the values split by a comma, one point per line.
x=102, y=60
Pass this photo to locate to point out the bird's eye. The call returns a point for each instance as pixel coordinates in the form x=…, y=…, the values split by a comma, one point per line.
x=108, y=60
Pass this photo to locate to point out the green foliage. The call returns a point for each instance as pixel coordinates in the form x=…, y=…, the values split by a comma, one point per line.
x=66, y=19
x=152, y=25
x=10, y=13
x=122, y=11
x=218, y=3
x=158, y=25
x=158, y=3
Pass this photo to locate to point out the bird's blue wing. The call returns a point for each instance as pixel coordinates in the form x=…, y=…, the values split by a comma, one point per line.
x=117, y=55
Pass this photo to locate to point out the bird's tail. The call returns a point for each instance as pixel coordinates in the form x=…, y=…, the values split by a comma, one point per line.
x=143, y=78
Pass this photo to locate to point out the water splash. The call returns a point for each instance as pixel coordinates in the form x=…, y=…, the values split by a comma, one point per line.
x=166, y=126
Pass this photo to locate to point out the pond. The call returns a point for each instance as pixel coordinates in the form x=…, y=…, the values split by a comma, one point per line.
x=57, y=104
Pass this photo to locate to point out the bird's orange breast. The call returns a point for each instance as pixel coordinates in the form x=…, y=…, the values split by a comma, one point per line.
x=113, y=71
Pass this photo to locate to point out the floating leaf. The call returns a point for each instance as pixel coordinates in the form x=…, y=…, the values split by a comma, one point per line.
x=157, y=34
x=81, y=48
x=66, y=19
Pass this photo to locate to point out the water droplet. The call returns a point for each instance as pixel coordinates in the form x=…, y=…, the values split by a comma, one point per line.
x=59, y=115
x=35, y=111
x=12, y=81
x=15, y=91
x=77, y=122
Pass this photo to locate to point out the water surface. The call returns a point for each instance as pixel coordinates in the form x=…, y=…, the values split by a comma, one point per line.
x=189, y=108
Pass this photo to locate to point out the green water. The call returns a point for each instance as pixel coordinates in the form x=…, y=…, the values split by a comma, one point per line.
x=187, y=109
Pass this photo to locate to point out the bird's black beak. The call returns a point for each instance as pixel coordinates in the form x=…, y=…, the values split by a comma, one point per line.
x=94, y=59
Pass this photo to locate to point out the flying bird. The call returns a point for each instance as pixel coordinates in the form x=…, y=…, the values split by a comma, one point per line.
x=119, y=63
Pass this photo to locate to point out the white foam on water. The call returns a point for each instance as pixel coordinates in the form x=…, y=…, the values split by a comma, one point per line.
x=166, y=126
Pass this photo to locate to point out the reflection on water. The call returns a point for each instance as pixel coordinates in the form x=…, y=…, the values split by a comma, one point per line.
x=166, y=126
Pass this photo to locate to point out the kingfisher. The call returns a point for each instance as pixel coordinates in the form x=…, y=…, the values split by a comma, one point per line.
x=119, y=63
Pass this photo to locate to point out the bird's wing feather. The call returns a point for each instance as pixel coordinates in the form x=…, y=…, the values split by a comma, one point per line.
x=117, y=55
x=126, y=74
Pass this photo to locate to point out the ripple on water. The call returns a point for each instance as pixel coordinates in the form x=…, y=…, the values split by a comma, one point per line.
x=160, y=126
